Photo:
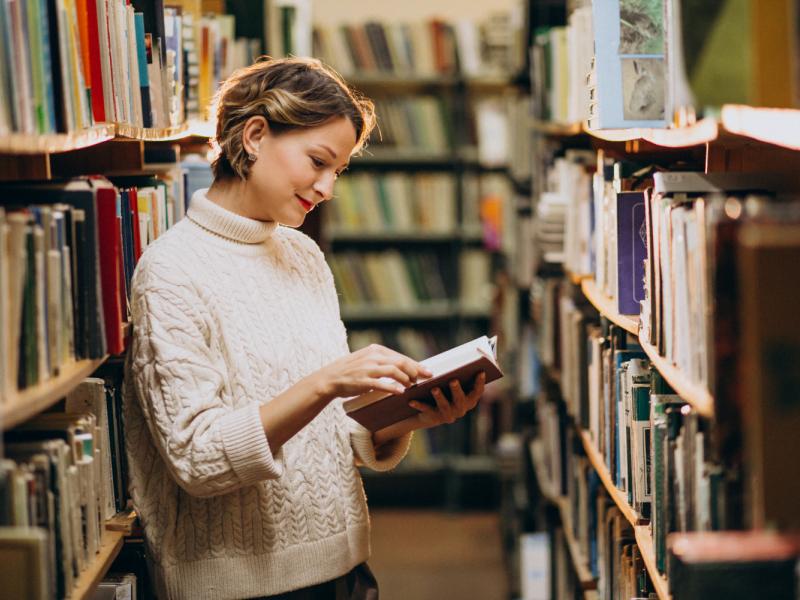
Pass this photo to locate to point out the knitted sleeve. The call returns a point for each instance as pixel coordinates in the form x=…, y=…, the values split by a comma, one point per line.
x=390, y=454
x=209, y=446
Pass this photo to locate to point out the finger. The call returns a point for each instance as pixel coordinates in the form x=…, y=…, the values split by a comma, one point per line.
x=478, y=388
x=384, y=384
x=445, y=409
x=460, y=401
x=414, y=369
x=393, y=372
x=422, y=407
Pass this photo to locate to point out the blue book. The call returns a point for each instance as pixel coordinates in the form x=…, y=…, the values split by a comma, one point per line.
x=631, y=251
x=630, y=65
x=144, y=79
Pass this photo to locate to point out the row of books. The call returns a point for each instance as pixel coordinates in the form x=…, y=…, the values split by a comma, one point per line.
x=68, y=65
x=407, y=281
x=414, y=123
x=394, y=202
x=60, y=480
x=424, y=48
x=67, y=254
x=687, y=510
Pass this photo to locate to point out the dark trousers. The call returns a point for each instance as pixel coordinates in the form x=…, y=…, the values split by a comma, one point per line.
x=358, y=584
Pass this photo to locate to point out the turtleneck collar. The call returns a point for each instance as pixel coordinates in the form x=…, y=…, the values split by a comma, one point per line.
x=222, y=222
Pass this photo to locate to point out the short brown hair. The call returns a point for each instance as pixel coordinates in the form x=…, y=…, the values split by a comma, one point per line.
x=290, y=93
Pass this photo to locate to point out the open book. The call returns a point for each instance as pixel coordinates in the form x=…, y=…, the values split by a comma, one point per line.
x=377, y=409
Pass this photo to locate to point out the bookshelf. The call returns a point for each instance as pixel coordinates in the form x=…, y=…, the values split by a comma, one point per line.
x=691, y=392
x=110, y=546
x=605, y=307
x=681, y=363
x=18, y=143
x=735, y=124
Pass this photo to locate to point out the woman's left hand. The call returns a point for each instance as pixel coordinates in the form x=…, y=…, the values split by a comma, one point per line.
x=449, y=411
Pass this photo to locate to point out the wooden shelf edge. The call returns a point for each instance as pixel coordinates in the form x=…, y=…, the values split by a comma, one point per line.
x=23, y=405
x=700, y=133
x=122, y=522
x=596, y=459
x=774, y=126
x=579, y=562
x=555, y=129
x=110, y=545
x=644, y=540
x=53, y=143
x=148, y=134
x=692, y=393
x=605, y=307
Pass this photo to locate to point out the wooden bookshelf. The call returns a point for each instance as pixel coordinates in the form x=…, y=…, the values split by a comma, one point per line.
x=692, y=393
x=775, y=126
x=605, y=307
x=579, y=561
x=388, y=236
x=423, y=312
x=124, y=522
x=110, y=545
x=18, y=143
x=644, y=540
x=148, y=134
x=736, y=124
x=21, y=406
x=599, y=464
x=403, y=157
x=700, y=133
x=553, y=129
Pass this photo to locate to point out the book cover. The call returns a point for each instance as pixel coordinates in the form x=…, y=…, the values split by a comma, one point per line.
x=377, y=409
x=631, y=251
x=630, y=64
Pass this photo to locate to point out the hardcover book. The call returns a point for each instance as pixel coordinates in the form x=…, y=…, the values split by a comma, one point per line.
x=631, y=251
x=378, y=409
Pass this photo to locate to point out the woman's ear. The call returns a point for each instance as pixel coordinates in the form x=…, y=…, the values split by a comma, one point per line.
x=255, y=129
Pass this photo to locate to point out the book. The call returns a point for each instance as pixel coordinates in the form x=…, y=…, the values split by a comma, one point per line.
x=23, y=563
x=630, y=65
x=377, y=409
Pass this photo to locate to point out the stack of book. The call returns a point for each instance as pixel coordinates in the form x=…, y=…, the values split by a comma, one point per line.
x=66, y=67
x=61, y=479
x=423, y=49
x=419, y=124
x=394, y=203
x=67, y=256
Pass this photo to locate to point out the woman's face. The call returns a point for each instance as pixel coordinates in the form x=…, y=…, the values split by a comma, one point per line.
x=296, y=170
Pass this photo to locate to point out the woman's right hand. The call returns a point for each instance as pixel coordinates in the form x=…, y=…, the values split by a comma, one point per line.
x=375, y=367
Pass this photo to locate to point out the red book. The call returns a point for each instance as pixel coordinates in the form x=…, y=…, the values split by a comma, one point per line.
x=110, y=251
x=95, y=67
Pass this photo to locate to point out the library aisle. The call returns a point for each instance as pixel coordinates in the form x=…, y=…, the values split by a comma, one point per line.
x=429, y=555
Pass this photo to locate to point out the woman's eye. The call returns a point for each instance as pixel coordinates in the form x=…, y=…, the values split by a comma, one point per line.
x=317, y=162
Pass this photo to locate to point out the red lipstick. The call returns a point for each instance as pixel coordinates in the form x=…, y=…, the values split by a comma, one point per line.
x=307, y=206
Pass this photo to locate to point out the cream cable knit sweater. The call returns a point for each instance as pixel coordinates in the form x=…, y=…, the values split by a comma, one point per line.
x=229, y=312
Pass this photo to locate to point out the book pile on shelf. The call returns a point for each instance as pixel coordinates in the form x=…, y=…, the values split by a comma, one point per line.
x=394, y=202
x=140, y=64
x=414, y=123
x=425, y=48
x=62, y=476
x=561, y=59
x=67, y=254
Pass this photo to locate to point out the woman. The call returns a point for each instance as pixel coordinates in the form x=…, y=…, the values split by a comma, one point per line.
x=242, y=460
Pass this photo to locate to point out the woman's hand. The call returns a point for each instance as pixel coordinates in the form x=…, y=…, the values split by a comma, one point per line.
x=372, y=368
x=449, y=411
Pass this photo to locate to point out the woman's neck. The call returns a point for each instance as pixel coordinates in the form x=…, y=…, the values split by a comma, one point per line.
x=230, y=194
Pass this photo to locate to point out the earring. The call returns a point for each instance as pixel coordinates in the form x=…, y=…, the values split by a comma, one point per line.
x=252, y=157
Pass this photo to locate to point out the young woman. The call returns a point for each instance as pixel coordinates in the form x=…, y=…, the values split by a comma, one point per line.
x=242, y=460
